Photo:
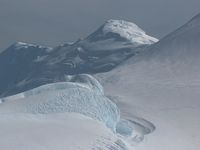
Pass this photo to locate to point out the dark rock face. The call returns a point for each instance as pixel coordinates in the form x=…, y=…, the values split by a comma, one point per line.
x=26, y=66
x=30, y=67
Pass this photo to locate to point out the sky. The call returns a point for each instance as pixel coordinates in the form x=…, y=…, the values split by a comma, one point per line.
x=54, y=22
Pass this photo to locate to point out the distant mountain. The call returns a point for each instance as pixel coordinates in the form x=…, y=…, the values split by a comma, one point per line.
x=121, y=31
x=18, y=61
x=26, y=66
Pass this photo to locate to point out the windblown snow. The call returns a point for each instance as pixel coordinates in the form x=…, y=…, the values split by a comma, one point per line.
x=82, y=94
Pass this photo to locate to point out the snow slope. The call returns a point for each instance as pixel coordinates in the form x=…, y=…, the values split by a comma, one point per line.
x=159, y=85
x=55, y=132
x=162, y=85
x=84, y=98
x=82, y=94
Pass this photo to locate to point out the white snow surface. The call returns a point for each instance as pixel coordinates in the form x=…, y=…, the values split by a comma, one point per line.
x=55, y=132
x=160, y=85
x=163, y=86
x=81, y=94
x=85, y=97
x=129, y=31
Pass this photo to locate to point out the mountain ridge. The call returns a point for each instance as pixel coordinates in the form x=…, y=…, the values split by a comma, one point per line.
x=162, y=85
x=36, y=65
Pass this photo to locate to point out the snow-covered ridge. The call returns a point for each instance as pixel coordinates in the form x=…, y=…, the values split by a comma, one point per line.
x=129, y=31
x=163, y=85
x=22, y=45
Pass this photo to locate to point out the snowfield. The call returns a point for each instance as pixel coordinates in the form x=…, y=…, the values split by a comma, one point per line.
x=66, y=97
x=146, y=97
x=83, y=95
x=162, y=85
x=55, y=132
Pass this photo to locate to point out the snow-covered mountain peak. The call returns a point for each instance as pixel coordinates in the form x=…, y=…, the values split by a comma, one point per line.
x=119, y=25
x=129, y=31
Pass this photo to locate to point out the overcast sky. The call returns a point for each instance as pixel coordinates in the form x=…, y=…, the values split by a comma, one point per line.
x=53, y=22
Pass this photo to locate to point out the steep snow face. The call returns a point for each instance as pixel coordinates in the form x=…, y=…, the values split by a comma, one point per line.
x=181, y=46
x=83, y=95
x=129, y=31
x=162, y=85
x=175, y=57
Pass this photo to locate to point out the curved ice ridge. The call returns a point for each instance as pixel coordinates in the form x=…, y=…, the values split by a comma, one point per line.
x=135, y=129
x=81, y=94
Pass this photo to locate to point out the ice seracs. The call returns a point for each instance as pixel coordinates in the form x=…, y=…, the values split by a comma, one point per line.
x=83, y=94
x=129, y=31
